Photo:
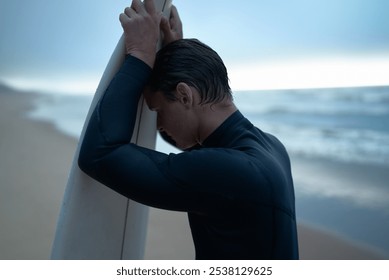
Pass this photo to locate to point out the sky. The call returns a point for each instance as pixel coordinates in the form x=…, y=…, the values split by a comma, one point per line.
x=64, y=45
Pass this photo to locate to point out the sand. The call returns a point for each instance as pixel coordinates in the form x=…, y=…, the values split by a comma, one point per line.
x=34, y=165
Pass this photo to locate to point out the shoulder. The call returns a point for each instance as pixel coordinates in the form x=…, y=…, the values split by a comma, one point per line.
x=215, y=159
x=215, y=166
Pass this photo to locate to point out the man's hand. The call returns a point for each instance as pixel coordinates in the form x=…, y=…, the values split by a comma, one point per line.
x=141, y=25
x=172, y=27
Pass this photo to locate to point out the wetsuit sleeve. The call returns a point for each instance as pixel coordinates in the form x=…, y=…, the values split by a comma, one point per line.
x=108, y=156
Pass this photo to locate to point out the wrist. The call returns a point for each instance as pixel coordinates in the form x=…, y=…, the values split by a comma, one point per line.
x=147, y=58
x=142, y=69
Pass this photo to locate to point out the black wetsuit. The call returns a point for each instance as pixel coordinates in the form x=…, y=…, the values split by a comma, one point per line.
x=237, y=187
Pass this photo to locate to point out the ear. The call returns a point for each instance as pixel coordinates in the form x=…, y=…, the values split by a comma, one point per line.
x=185, y=94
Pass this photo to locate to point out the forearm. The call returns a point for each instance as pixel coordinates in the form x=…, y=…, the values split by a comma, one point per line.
x=112, y=122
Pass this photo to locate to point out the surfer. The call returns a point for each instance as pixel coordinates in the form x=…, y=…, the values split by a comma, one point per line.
x=232, y=179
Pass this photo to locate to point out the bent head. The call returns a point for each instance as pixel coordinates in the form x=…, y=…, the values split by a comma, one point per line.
x=187, y=76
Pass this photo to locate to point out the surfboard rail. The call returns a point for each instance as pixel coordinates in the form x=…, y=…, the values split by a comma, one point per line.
x=96, y=222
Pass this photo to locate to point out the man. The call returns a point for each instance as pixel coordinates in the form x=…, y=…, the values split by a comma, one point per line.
x=233, y=180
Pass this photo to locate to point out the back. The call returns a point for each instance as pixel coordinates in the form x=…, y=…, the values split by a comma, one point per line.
x=243, y=181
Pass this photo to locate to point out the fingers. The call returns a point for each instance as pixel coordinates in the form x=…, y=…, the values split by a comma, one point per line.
x=138, y=7
x=174, y=14
x=130, y=12
x=124, y=19
x=165, y=25
x=175, y=21
x=149, y=6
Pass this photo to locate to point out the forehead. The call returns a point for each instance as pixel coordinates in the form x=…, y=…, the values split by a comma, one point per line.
x=154, y=99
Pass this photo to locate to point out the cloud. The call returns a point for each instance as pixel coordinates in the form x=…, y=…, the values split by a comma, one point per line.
x=311, y=73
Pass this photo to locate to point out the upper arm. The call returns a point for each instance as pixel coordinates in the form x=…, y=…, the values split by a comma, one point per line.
x=197, y=181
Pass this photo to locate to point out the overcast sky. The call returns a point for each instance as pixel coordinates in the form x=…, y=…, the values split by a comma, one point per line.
x=52, y=44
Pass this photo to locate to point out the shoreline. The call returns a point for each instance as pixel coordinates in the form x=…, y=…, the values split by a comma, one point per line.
x=36, y=159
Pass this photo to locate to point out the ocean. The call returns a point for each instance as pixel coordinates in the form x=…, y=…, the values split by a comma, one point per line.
x=347, y=126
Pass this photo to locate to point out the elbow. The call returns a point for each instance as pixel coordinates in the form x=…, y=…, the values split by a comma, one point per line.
x=92, y=147
x=86, y=163
x=83, y=163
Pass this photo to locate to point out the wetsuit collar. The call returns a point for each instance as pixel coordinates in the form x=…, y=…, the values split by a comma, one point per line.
x=224, y=134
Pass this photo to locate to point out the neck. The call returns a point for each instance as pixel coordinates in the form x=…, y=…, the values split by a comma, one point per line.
x=211, y=116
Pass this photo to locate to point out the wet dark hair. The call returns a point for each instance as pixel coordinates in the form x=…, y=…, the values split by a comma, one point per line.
x=194, y=63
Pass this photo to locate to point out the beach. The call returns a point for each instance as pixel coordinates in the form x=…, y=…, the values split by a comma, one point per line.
x=34, y=165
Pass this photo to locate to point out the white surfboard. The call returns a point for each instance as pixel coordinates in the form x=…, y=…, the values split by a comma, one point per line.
x=96, y=222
